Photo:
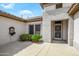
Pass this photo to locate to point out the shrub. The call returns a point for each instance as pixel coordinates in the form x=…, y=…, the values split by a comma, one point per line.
x=25, y=37
x=30, y=35
x=36, y=37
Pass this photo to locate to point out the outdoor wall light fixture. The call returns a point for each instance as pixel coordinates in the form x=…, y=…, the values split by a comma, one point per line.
x=12, y=31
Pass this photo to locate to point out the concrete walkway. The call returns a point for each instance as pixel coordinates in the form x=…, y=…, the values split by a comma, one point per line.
x=48, y=49
x=12, y=48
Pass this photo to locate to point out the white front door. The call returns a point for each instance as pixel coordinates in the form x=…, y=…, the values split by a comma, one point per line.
x=58, y=30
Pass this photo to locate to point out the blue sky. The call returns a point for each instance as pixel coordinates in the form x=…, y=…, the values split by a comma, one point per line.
x=24, y=10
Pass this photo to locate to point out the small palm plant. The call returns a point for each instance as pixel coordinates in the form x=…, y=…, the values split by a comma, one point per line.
x=36, y=37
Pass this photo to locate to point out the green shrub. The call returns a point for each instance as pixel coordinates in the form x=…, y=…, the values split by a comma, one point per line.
x=30, y=35
x=36, y=37
x=25, y=37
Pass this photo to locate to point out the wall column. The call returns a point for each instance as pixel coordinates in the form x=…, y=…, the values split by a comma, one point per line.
x=46, y=31
x=70, y=31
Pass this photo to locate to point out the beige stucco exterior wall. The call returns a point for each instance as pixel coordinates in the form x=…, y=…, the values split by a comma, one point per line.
x=67, y=4
x=76, y=30
x=5, y=23
x=53, y=7
x=65, y=29
x=20, y=28
x=70, y=30
x=46, y=31
x=50, y=7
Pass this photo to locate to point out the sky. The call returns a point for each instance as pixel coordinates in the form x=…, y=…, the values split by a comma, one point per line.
x=24, y=10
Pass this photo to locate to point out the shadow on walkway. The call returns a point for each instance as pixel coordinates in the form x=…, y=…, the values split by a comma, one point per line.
x=13, y=47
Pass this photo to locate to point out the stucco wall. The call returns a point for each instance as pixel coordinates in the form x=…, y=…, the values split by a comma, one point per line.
x=57, y=14
x=76, y=30
x=50, y=7
x=67, y=4
x=46, y=31
x=53, y=7
x=70, y=30
x=65, y=30
x=5, y=23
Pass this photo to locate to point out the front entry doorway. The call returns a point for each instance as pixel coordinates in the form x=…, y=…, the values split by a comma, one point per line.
x=58, y=30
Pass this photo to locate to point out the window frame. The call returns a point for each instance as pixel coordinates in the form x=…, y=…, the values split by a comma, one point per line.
x=36, y=28
x=31, y=29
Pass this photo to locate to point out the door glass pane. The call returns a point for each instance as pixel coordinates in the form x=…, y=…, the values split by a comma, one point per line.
x=58, y=28
x=57, y=34
x=58, y=31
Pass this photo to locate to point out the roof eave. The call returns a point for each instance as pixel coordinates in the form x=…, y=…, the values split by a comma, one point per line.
x=4, y=14
x=74, y=8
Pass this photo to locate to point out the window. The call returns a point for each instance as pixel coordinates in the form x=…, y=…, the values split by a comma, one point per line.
x=37, y=29
x=59, y=5
x=31, y=29
x=34, y=29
